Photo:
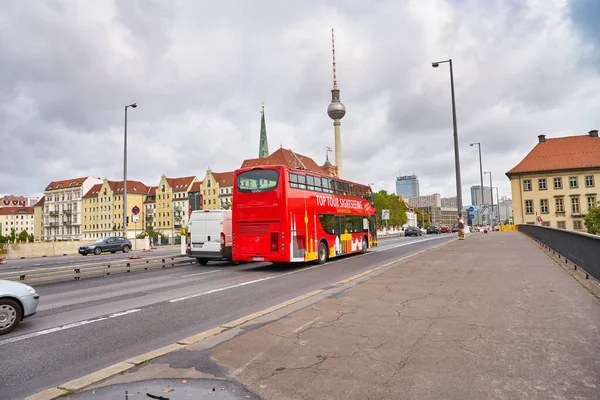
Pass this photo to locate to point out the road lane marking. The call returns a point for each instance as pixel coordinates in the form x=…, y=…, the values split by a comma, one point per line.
x=200, y=273
x=243, y=367
x=301, y=328
x=402, y=244
x=64, y=327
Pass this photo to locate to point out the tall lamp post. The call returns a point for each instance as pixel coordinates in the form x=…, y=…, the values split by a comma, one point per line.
x=125, y=213
x=492, y=198
x=481, y=177
x=459, y=202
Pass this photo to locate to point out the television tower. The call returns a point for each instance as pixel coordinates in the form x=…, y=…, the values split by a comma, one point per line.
x=336, y=111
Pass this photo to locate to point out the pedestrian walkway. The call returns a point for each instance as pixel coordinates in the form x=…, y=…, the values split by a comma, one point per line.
x=490, y=317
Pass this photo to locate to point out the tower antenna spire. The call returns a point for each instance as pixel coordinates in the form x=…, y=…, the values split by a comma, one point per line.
x=333, y=52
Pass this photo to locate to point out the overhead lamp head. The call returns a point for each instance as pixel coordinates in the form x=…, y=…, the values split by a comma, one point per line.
x=435, y=65
x=134, y=105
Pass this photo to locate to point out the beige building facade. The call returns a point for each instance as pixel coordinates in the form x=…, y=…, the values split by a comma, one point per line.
x=557, y=182
x=18, y=218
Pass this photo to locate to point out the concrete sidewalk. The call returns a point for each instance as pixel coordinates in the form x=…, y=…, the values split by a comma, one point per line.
x=490, y=317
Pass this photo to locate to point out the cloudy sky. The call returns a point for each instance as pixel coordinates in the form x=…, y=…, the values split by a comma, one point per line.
x=199, y=71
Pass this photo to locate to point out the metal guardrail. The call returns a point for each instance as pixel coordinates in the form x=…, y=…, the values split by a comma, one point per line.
x=582, y=249
x=95, y=270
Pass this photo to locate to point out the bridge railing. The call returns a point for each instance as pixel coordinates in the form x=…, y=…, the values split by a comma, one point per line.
x=582, y=249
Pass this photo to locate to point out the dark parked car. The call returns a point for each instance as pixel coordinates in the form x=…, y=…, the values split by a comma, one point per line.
x=112, y=244
x=433, y=229
x=412, y=231
x=445, y=229
x=454, y=229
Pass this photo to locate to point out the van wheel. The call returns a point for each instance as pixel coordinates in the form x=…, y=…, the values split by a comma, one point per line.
x=365, y=245
x=10, y=315
x=202, y=261
x=322, y=253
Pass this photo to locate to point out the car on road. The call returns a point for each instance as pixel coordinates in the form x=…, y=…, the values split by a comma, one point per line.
x=433, y=229
x=104, y=245
x=445, y=229
x=454, y=229
x=17, y=302
x=412, y=231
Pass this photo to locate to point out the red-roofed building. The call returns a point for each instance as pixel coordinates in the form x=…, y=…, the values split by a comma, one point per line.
x=217, y=190
x=172, y=204
x=556, y=181
x=103, y=209
x=17, y=218
x=63, y=208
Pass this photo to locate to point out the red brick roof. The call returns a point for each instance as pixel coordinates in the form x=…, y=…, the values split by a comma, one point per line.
x=93, y=192
x=224, y=178
x=565, y=153
x=195, y=187
x=132, y=187
x=40, y=202
x=152, y=190
x=180, y=184
x=69, y=183
x=16, y=210
x=285, y=157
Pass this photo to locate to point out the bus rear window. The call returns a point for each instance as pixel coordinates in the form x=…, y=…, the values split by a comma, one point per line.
x=257, y=180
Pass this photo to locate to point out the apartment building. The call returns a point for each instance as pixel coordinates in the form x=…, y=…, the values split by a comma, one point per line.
x=38, y=220
x=434, y=200
x=18, y=218
x=557, y=181
x=103, y=209
x=224, y=181
x=63, y=208
x=172, y=204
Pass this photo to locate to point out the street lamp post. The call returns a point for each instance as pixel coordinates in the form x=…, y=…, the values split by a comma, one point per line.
x=481, y=177
x=125, y=213
x=492, y=198
x=459, y=203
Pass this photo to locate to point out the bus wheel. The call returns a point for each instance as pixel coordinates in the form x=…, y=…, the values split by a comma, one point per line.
x=322, y=253
x=365, y=244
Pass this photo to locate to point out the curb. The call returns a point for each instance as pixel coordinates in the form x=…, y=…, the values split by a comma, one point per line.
x=120, y=367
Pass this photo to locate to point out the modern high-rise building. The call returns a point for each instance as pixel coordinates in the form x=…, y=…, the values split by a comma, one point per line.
x=434, y=200
x=407, y=186
x=476, y=195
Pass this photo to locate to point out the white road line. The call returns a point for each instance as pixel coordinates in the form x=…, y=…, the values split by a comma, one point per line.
x=243, y=367
x=201, y=273
x=305, y=325
x=124, y=313
x=191, y=296
x=402, y=244
x=64, y=327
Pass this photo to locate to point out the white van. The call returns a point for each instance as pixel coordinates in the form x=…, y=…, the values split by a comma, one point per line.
x=209, y=235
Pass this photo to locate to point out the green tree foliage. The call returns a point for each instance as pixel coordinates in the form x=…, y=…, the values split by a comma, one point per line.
x=389, y=201
x=23, y=236
x=153, y=234
x=13, y=235
x=592, y=220
x=31, y=238
x=422, y=218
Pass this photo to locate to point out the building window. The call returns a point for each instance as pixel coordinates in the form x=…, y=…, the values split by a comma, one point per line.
x=575, y=205
x=591, y=201
x=529, y=206
x=542, y=183
x=577, y=224
x=544, y=206
x=589, y=180
x=527, y=184
x=573, y=182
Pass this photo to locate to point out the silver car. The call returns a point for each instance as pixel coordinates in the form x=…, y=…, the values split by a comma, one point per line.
x=17, y=302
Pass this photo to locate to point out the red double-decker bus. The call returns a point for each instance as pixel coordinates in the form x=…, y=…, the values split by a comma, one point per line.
x=292, y=215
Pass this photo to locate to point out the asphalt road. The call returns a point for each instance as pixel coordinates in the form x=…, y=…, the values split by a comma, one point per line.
x=86, y=325
x=78, y=260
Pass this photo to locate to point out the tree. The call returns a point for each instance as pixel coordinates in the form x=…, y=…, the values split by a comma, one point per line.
x=31, y=238
x=12, y=236
x=422, y=218
x=23, y=236
x=592, y=220
x=389, y=201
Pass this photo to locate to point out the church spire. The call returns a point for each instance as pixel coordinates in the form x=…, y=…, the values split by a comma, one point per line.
x=263, y=150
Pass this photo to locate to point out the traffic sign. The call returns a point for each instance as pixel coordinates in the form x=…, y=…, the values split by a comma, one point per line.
x=471, y=209
x=135, y=210
x=385, y=214
x=136, y=218
x=472, y=216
